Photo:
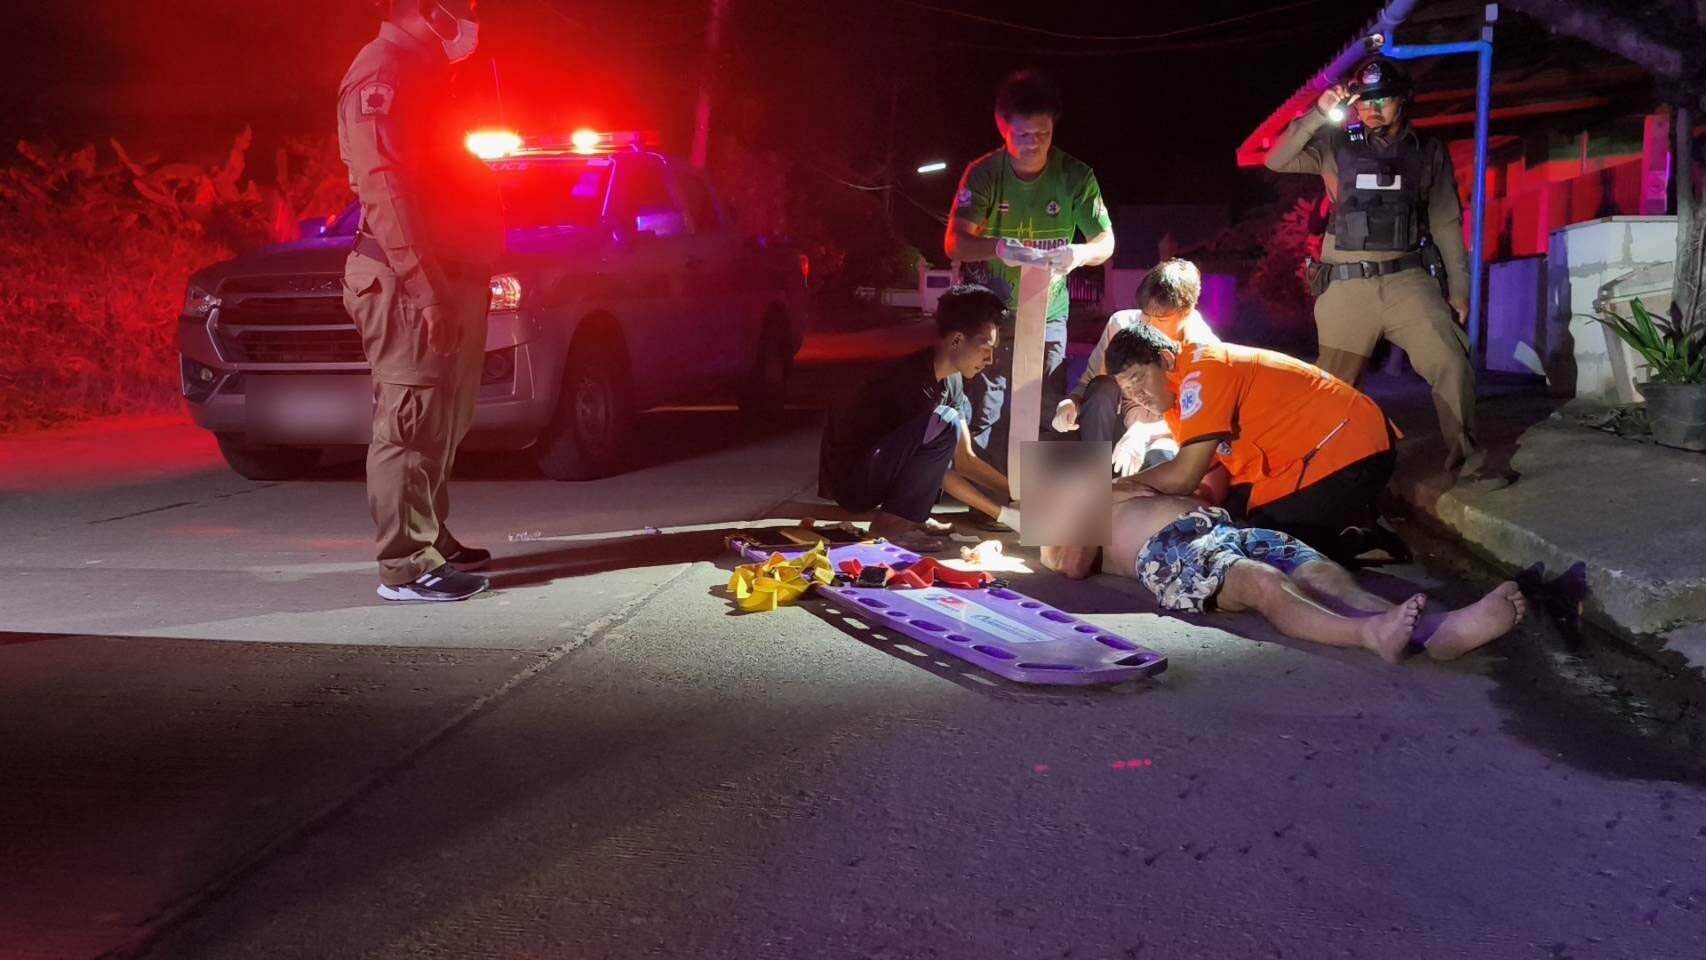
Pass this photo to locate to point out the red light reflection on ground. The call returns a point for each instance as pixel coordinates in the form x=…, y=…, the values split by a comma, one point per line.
x=106, y=453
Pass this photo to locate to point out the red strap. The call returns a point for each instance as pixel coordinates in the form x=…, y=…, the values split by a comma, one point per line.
x=927, y=572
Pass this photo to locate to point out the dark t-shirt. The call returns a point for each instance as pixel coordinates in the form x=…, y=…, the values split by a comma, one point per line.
x=904, y=391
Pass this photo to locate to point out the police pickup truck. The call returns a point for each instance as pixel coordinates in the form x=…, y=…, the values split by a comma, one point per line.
x=624, y=286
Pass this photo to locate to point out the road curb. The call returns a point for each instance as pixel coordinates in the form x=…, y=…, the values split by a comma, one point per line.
x=1657, y=604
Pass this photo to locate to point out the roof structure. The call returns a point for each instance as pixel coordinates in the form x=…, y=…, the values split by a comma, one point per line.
x=1538, y=75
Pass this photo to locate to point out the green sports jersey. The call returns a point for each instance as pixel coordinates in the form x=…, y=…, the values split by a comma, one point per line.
x=1050, y=211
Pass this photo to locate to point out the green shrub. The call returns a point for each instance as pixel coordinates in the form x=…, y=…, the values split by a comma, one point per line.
x=1669, y=352
x=95, y=247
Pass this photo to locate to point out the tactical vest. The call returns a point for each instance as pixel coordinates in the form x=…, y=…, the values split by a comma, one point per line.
x=1382, y=195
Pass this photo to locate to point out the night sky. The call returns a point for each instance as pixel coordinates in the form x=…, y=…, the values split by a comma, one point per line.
x=1157, y=118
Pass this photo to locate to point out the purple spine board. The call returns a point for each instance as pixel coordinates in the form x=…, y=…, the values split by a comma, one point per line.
x=1000, y=630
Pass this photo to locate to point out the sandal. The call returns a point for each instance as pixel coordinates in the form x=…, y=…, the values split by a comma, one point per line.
x=917, y=541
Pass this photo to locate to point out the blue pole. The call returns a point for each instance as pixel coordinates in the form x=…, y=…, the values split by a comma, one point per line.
x=1483, y=50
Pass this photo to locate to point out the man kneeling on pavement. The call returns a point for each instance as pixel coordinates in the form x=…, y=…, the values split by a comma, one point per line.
x=905, y=437
x=1306, y=455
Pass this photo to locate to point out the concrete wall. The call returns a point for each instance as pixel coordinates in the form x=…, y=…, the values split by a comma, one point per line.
x=1582, y=258
x=1119, y=288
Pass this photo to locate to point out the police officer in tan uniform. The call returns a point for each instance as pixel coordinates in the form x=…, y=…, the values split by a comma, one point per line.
x=1393, y=191
x=418, y=284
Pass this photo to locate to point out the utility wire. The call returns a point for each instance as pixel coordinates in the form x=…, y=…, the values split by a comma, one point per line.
x=1096, y=38
x=874, y=188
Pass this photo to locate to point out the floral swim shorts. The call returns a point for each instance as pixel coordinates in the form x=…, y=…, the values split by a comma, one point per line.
x=1185, y=564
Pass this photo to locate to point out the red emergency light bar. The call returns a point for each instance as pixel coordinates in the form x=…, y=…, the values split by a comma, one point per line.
x=497, y=144
x=595, y=141
x=492, y=144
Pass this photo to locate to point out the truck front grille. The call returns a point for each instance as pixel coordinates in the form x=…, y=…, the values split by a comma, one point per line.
x=300, y=346
x=287, y=320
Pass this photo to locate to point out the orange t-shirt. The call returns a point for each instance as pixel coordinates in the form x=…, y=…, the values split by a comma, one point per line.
x=1268, y=412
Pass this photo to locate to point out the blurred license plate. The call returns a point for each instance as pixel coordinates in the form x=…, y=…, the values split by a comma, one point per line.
x=298, y=408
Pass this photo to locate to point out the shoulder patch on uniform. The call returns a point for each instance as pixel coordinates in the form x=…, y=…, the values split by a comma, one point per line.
x=376, y=99
x=1190, y=399
x=965, y=197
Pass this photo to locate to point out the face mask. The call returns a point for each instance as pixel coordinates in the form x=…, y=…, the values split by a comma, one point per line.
x=461, y=46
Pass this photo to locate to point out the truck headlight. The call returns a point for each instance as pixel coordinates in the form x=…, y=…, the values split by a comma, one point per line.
x=198, y=302
x=506, y=292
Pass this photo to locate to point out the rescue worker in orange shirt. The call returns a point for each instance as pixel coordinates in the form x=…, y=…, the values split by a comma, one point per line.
x=1305, y=452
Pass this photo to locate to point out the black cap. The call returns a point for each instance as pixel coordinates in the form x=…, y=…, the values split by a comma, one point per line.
x=1379, y=77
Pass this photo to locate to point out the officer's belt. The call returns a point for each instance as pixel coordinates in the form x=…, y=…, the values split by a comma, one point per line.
x=367, y=246
x=1376, y=268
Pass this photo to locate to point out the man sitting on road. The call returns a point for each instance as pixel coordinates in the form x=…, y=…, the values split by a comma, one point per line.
x=905, y=437
x=1097, y=410
x=1306, y=452
x=1194, y=558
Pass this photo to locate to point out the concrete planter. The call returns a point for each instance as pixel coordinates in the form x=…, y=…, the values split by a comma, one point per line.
x=1579, y=358
x=1677, y=412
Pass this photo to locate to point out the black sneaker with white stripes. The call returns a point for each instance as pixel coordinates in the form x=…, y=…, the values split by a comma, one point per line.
x=443, y=585
x=469, y=558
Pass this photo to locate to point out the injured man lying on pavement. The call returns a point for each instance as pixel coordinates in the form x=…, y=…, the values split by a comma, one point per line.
x=1193, y=557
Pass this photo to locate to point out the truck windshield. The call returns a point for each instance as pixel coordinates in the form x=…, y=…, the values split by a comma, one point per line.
x=555, y=192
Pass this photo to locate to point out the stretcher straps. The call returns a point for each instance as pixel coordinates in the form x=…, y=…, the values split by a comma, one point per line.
x=927, y=572
x=778, y=581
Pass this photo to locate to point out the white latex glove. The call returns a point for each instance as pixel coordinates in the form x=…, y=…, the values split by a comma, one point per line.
x=1129, y=453
x=1066, y=416
x=1010, y=517
x=1064, y=260
x=1015, y=254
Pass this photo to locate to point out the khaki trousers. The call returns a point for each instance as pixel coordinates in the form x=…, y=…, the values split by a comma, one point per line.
x=1407, y=309
x=424, y=407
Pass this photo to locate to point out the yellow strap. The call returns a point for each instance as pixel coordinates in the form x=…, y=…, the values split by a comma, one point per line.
x=758, y=587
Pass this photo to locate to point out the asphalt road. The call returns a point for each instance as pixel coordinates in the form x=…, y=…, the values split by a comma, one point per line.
x=215, y=742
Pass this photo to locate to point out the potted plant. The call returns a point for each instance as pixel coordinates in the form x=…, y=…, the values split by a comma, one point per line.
x=1675, y=360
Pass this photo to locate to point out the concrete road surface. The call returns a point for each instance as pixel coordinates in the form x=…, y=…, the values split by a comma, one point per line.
x=216, y=743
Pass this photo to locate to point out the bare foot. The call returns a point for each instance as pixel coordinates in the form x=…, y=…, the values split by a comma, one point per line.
x=1387, y=634
x=1478, y=624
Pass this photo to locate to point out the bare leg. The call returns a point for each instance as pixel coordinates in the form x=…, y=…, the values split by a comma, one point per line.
x=968, y=493
x=1254, y=586
x=1337, y=588
x=1451, y=635
x=1343, y=364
